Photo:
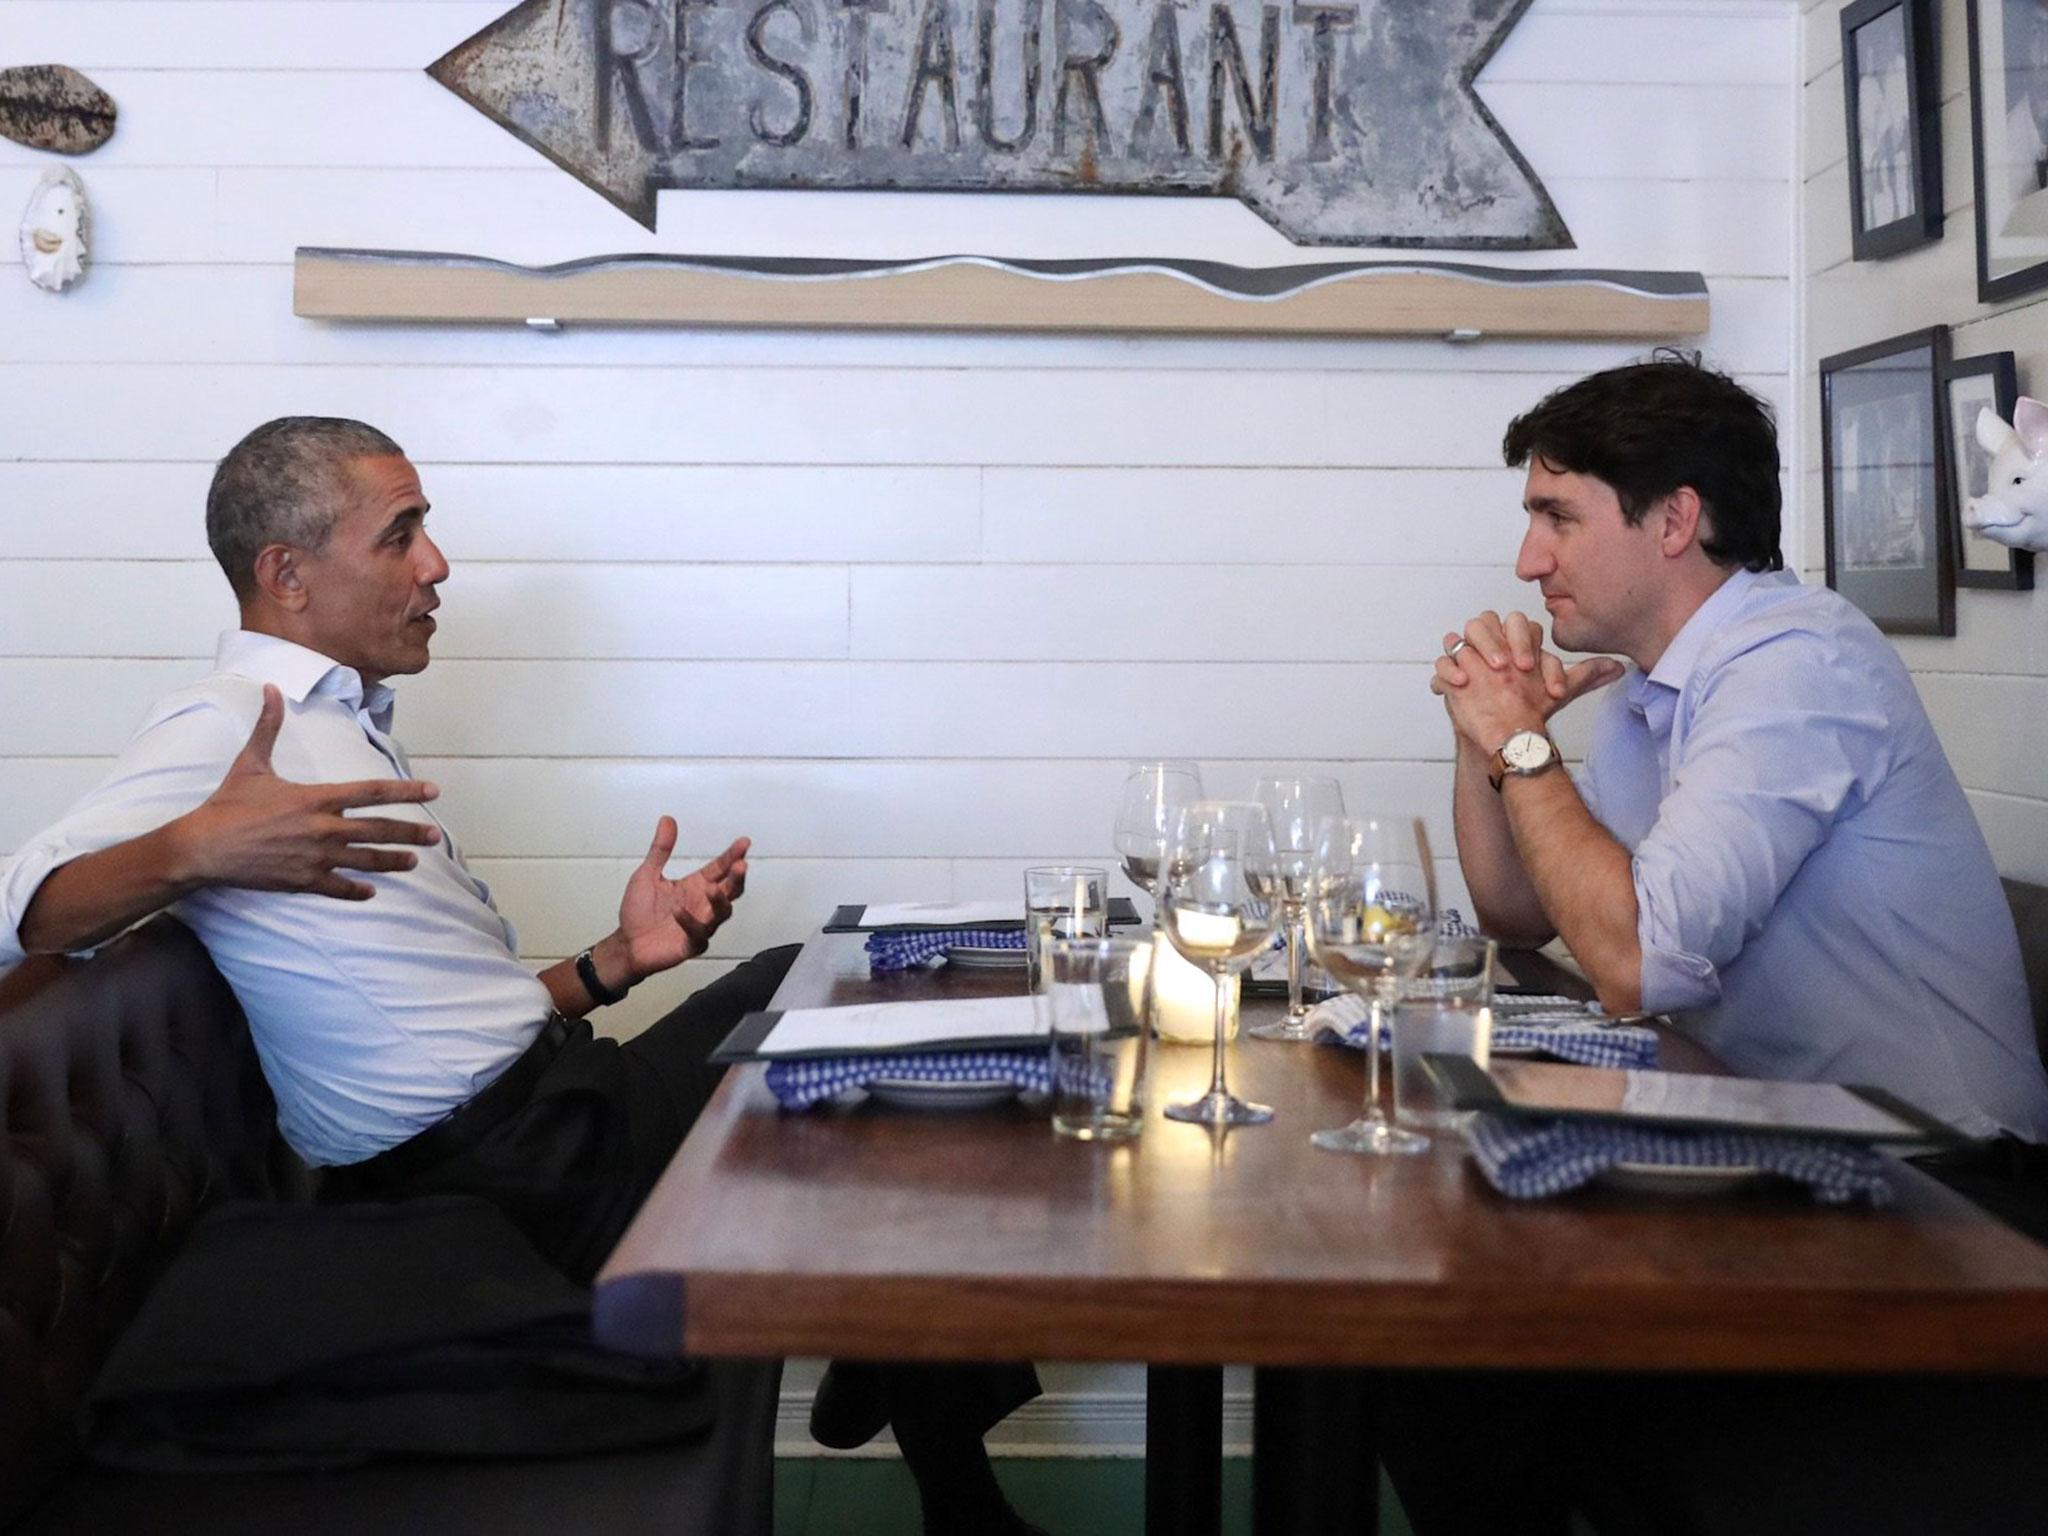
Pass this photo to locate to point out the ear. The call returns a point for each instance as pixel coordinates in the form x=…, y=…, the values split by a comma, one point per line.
x=1678, y=526
x=1994, y=432
x=2030, y=420
x=277, y=577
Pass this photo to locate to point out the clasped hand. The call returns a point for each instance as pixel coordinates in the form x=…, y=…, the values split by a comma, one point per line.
x=266, y=833
x=1503, y=681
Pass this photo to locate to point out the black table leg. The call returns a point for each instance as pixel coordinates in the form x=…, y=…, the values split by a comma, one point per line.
x=1184, y=1450
x=1315, y=1468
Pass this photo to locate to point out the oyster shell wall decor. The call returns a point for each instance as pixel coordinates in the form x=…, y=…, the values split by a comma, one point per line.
x=53, y=230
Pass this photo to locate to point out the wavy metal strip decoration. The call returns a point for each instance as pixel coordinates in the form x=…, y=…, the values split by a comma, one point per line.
x=974, y=292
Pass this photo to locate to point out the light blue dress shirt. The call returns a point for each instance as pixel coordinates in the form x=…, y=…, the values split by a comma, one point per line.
x=373, y=1019
x=1815, y=899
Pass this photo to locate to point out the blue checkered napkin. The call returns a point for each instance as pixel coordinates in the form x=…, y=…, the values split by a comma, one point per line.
x=1570, y=1034
x=1579, y=1040
x=905, y=949
x=1529, y=1159
x=799, y=1083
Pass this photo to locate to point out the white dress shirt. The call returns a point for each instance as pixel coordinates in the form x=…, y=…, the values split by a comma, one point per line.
x=373, y=1019
x=1814, y=897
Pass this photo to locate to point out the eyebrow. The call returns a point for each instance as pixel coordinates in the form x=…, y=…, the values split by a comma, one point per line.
x=1547, y=504
x=416, y=513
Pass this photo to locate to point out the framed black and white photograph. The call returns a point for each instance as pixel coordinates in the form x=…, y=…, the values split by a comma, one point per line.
x=1891, y=88
x=2009, y=106
x=1971, y=385
x=1885, y=482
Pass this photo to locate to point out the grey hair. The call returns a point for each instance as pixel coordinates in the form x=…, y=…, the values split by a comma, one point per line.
x=284, y=484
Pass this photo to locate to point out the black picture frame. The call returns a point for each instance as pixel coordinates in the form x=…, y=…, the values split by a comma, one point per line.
x=1891, y=91
x=1967, y=384
x=1885, y=483
x=2009, y=146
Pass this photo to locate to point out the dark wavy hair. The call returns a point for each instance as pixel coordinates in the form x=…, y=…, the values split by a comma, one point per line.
x=1649, y=428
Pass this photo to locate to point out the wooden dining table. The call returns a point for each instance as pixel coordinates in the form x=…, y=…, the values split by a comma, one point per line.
x=862, y=1231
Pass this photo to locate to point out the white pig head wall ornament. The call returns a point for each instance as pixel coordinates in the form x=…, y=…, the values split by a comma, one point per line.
x=53, y=230
x=2014, y=507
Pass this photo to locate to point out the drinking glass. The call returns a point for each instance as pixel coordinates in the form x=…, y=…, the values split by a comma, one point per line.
x=1090, y=1004
x=1152, y=799
x=1297, y=808
x=1061, y=901
x=1219, y=863
x=1371, y=924
x=1447, y=1010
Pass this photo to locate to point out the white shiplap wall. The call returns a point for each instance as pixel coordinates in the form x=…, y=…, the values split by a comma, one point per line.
x=1986, y=689
x=898, y=606
x=901, y=607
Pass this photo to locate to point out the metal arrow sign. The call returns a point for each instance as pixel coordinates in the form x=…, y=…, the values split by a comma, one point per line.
x=1351, y=123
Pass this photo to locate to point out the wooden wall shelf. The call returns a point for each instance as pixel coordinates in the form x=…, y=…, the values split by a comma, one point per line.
x=956, y=293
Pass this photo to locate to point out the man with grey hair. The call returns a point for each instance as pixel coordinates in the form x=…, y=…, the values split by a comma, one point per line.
x=278, y=486
x=409, y=1050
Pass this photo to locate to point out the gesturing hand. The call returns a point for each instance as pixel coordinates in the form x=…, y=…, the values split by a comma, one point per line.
x=269, y=834
x=665, y=922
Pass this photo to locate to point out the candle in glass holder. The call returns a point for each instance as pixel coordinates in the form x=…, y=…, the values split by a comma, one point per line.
x=1184, y=995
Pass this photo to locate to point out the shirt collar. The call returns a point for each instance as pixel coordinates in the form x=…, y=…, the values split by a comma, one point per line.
x=1683, y=653
x=299, y=673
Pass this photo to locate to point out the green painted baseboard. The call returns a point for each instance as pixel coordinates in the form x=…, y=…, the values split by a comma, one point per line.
x=1098, y=1496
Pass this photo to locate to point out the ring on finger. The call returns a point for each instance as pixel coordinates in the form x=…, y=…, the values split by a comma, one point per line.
x=1452, y=650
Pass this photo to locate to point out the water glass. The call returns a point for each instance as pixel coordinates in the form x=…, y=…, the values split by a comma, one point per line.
x=1091, y=1006
x=1448, y=1010
x=1062, y=901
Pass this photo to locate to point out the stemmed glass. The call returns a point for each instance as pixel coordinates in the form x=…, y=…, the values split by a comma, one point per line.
x=1371, y=923
x=1152, y=799
x=1219, y=863
x=1297, y=808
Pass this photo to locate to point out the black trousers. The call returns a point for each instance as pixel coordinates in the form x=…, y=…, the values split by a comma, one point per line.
x=1517, y=1454
x=573, y=1156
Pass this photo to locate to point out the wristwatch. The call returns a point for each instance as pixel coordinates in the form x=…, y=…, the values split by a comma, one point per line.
x=1524, y=754
x=602, y=995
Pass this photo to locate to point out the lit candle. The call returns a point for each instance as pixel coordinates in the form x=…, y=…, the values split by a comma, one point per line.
x=1184, y=995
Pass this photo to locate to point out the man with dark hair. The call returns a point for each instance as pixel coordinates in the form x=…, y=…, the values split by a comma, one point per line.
x=1765, y=839
x=1766, y=842
x=409, y=1050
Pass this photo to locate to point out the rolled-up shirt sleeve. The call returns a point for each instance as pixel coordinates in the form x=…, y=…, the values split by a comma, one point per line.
x=1777, y=750
x=172, y=765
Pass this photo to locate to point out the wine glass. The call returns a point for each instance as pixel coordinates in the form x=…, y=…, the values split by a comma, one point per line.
x=1219, y=861
x=1152, y=799
x=1372, y=922
x=1297, y=808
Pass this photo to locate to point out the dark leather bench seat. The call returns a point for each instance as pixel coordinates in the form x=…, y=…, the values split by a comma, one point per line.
x=131, y=1101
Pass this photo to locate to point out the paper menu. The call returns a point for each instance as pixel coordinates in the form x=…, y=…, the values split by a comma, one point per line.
x=882, y=1027
x=941, y=914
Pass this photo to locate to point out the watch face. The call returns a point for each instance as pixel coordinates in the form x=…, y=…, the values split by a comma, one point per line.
x=1526, y=750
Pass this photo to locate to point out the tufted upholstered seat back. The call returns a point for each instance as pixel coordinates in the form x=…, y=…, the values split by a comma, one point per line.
x=130, y=1099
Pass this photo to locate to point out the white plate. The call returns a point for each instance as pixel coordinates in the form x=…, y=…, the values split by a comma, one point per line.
x=975, y=1093
x=1664, y=1179
x=977, y=956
